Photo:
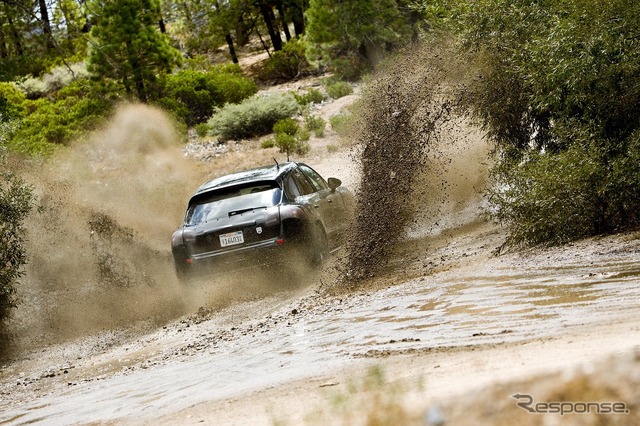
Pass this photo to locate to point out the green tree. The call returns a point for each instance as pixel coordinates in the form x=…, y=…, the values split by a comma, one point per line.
x=223, y=19
x=16, y=199
x=294, y=12
x=194, y=95
x=128, y=45
x=22, y=47
x=559, y=96
x=70, y=24
x=352, y=36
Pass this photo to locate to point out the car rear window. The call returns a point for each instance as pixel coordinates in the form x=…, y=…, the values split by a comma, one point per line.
x=231, y=201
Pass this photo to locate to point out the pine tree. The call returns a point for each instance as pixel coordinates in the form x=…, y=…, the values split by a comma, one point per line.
x=353, y=34
x=128, y=45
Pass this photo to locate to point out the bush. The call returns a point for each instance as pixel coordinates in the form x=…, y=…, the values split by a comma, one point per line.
x=62, y=76
x=202, y=129
x=268, y=143
x=253, y=117
x=287, y=64
x=12, y=102
x=33, y=88
x=290, y=137
x=56, y=79
x=350, y=68
x=339, y=123
x=287, y=126
x=553, y=198
x=558, y=96
x=16, y=200
x=74, y=110
x=315, y=124
x=312, y=96
x=194, y=95
x=16, y=66
x=339, y=89
x=233, y=85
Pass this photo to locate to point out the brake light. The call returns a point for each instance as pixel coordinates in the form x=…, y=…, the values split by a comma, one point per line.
x=189, y=261
x=280, y=241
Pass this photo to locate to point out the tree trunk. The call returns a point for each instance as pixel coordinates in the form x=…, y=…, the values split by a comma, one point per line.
x=232, y=50
x=264, y=45
x=373, y=53
x=187, y=14
x=16, y=37
x=285, y=26
x=3, y=44
x=138, y=80
x=163, y=28
x=46, y=24
x=242, y=31
x=269, y=19
x=297, y=17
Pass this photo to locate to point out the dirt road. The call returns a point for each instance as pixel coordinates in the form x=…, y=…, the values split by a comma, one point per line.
x=470, y=321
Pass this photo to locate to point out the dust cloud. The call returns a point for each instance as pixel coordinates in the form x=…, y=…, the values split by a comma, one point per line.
x=98, y=245
x=421, y=161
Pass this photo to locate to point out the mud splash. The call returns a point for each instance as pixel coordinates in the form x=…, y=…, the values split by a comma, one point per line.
x=405, y=112
x=98, y=244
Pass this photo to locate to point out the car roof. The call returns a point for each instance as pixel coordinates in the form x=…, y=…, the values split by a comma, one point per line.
x=257, y=174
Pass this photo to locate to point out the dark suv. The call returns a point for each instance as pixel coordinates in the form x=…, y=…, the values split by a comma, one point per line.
x=273, y=214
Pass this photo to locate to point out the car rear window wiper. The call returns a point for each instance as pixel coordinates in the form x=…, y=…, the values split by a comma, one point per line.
x=235, y=212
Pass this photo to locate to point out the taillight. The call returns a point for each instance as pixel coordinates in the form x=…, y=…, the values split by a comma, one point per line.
x=280, y=241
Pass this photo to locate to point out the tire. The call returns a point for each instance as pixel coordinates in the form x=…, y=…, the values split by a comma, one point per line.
x=319, y=246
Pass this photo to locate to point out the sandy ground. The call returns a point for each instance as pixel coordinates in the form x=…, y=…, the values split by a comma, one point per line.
x=446, y=335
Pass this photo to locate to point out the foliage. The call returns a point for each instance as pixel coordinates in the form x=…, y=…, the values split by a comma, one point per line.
x=290, y=137
x=556, y=198
x=253, y=117
x=16, y=200
x=565, y=196
x=33, y=88
x=353, y=36
x=315, y=124
x=50, y=122
x=287, y=64
x=14, y=67
x=12, y=102
x=313, y=96
x=62, y=76
x=339, y=89
x=53, y=81
x=70, y=23
x=194, y=95
x=268, y=143
x=202, y=129
x=339, y=123
x=559, y=96
x=287, y=126
x=129, y=47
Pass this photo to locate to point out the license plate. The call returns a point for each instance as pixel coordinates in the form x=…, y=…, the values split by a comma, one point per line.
x=231, y=239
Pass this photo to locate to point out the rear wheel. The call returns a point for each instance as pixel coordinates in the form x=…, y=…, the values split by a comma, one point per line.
x=319, y=246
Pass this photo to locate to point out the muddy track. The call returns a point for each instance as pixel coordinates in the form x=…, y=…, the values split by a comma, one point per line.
x=475, y=303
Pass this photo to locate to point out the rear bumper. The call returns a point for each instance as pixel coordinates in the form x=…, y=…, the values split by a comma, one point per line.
x=255, y=255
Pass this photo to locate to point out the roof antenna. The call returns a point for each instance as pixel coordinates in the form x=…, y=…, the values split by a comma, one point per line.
x=277, y=164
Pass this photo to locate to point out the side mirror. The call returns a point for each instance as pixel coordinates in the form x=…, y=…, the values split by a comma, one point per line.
x=334, y=183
